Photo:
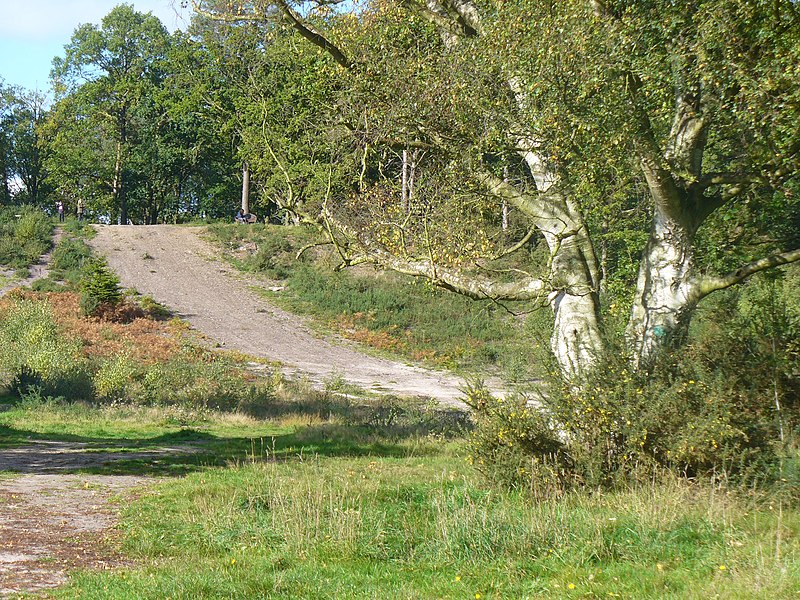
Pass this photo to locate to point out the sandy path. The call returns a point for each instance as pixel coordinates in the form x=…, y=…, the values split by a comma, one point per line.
x=53, y=522
x=180, y=270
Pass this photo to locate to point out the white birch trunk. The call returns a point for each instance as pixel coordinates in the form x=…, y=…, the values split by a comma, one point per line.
x=666, y=291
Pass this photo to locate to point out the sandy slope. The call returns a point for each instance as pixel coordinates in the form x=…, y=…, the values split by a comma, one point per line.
x=178, y=268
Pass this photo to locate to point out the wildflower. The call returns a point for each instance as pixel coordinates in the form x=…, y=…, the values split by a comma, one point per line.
x=458, y=577
x=571, y=586
x=722, y=568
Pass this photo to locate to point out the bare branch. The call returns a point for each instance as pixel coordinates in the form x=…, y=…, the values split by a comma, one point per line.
x=309, y=247
x=454, y=279
x=517, y=246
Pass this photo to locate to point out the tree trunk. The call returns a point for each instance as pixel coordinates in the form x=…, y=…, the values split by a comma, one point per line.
x=246, y=188
x=576, y=342
x=117, y=188
x=404, y=195
x=666, y=291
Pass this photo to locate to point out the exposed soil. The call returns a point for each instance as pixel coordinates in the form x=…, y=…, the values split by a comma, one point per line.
x=175, y=266
x=52, y=522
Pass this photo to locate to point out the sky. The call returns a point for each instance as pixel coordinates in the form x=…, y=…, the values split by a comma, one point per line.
x=32, y=32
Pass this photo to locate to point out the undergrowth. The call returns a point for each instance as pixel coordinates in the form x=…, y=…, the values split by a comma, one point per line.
x=25, y=234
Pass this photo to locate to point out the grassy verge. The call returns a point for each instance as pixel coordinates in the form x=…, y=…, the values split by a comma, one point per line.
x=25, y=234
x=386, y=311
x=282, y=508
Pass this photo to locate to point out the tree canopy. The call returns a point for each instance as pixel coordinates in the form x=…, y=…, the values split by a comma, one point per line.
x=575, y=155
x=652, y=141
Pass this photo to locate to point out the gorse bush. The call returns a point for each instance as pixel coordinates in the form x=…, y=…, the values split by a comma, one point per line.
x=727, y=403
x=34, y=354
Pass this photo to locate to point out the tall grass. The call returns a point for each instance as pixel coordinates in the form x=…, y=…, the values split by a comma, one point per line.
x=417, y=527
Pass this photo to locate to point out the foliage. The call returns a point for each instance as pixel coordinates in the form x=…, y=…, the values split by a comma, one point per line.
x=35, y=354
x=69, y=257
x=133, y=133
x=99, y=286
x=727, y=404
x=25, y=234
x=195, y=379
x=113, y=377
x=22, y=147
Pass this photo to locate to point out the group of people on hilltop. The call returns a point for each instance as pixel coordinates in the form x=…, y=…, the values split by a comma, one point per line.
x=80, y=210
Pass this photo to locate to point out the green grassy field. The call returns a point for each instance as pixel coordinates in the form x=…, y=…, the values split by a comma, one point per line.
x=305, y=507
x=298, y=493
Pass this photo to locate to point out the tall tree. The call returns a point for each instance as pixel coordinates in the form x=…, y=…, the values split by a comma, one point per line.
x=685, y=115
x=22, y=147
x=112, y=68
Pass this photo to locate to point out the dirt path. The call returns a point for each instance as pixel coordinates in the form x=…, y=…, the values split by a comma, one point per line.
x=179, y=269
x=53, y=522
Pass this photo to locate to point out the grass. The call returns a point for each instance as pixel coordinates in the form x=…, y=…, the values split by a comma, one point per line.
x=392, y=313
x=25, y=234
x=281, y=508
x=308, y=494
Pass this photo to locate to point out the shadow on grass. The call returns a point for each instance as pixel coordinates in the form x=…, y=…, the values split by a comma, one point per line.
x=377, y=431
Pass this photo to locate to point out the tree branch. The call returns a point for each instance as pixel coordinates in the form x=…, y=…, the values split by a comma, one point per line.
x=451, y=278
x=454, y=18
x=711, y=179
x=303, y=27
x=517, y=246
x=313, y=35
x=713, y=284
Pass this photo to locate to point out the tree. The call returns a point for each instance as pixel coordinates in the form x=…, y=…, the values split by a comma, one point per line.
x=684, y=116
x=111, y=69
x=22, y=148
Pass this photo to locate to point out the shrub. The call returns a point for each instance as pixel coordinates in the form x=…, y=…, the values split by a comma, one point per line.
x=513, y=444
x=99, y=286
x=70, y=254
x=34, y=354
x=727, y=404
x=113, y=377
x=25, y=234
